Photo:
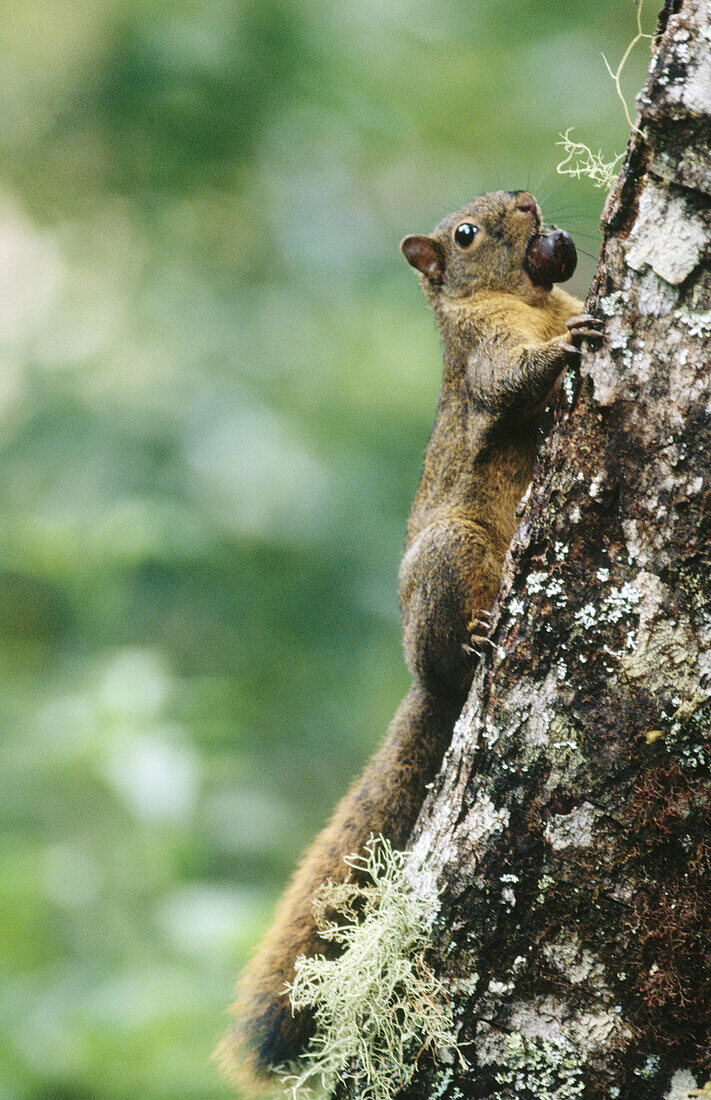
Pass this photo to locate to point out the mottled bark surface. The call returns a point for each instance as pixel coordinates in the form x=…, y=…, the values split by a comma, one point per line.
x=570, y=829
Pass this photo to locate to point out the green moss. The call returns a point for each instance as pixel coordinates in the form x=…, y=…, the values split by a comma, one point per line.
x=378, y=1005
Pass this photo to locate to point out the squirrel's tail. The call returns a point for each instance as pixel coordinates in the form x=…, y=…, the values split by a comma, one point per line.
x=384, y=801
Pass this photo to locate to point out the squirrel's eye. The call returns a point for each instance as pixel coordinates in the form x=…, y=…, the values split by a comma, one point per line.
x=465, y=233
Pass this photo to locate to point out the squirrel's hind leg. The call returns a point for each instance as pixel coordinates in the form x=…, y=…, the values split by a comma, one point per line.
x=448, y=578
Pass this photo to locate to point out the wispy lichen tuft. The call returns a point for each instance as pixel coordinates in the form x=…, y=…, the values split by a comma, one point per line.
x=581, y=161
x=378, y=1005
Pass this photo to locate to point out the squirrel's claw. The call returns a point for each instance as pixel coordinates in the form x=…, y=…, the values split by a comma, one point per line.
x=478, y=629
x=474, y=649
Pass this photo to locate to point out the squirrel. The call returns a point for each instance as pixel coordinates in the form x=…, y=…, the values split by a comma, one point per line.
x=488, y=272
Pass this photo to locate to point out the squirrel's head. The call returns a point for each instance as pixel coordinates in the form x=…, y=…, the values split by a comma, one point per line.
x=493, y=243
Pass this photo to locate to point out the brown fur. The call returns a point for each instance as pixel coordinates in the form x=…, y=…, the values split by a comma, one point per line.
x=505, y=342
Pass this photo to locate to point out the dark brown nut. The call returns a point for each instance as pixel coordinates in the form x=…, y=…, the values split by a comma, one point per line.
x=550, y=258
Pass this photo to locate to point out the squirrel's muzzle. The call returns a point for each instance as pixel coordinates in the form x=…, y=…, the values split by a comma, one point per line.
x=550, y=257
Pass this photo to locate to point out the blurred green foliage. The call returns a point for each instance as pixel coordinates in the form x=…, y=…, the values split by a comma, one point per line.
x=217, y=382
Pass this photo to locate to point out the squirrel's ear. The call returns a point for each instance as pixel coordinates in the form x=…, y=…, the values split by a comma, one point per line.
x=427, y=255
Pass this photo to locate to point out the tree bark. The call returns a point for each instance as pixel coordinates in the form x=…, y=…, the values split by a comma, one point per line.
x=569, y=829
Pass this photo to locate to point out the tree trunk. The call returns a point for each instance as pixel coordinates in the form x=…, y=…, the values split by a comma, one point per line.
x=569, y=830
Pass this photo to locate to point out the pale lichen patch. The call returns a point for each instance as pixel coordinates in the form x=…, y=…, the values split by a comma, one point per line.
x=569, y=387
x=612, y=303
x=549, y=1019
x=482, y=822
x=596, y=485
x=621, y=601
x=547, y=1069
x=649, y=1068
x=636, y=547
x=532, y=706
x=652, y=593
x=536, y=582
x=658, y=641
x=573, y=830
x=693, y=92
x=572, y=960
x=698, y=324
x=668, y=236
x=586, y=616
x=605, y=375
x=655, y=298
x=682, y=1083
x=434, y=848
x=516, y=607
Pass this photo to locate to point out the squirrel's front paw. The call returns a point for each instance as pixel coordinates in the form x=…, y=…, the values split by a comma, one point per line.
x=478, y=629
x=585, y=327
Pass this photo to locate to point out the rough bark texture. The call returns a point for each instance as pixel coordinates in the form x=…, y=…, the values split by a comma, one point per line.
x=569, y=830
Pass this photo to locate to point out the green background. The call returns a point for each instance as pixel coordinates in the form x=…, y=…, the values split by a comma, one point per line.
x=217, y=380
